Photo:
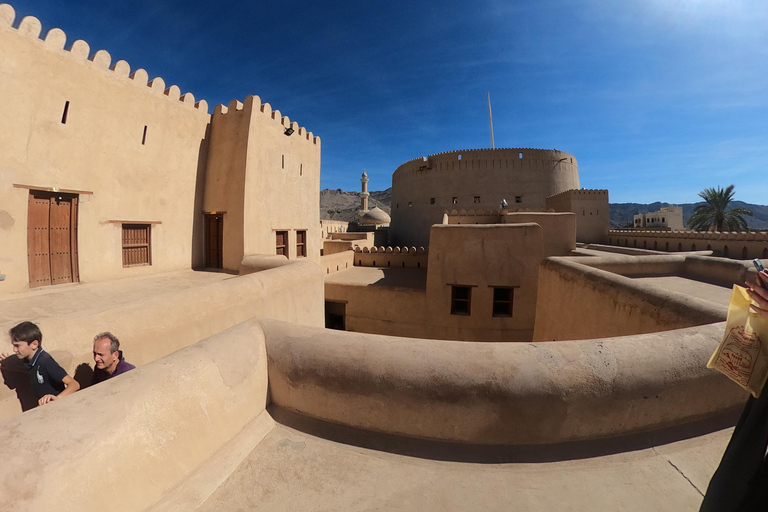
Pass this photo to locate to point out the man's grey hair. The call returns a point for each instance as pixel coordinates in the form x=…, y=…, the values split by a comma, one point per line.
x=114, y=343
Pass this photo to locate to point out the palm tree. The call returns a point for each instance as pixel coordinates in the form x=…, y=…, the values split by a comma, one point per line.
x=713, y=212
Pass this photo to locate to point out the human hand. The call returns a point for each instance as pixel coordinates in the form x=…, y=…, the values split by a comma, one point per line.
x=46, y=399
x=4, y=356
x=759, y=294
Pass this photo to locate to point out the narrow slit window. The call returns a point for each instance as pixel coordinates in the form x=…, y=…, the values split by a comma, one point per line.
x=65, y=113
x=283, y=164
x=455, y=200
x=144, y=136
x=301, y=169
x=301, y=244
x=281, y=243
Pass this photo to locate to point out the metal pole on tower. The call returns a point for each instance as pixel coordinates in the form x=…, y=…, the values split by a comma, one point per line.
x=490, y=117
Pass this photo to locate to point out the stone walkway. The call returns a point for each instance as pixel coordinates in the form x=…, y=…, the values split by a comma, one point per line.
x=294, y=470
x=72, y=298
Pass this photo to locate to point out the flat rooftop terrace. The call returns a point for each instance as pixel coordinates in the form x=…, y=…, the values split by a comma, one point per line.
x=65, y=299
x=303, y=464
x=408, y=278
x=720, y=295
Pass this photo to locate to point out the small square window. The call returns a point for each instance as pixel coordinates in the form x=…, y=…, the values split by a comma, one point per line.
x=461, y=300
x=455, y=200
x=518, y=199
x=431, y=200
x=502, y=301
x=137, y=245
x=477, y=199
x=410, y=203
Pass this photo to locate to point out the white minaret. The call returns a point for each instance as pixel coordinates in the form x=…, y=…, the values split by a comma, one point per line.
x=364, y=194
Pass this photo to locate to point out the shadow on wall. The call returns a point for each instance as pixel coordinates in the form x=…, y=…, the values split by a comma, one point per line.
x=16, y=377
x=197, y=253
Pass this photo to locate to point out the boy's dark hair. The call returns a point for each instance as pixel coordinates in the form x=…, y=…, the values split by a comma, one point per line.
x=26, y=331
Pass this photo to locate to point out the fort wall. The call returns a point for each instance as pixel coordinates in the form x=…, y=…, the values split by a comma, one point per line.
x=418, y=301
x=335, y=262
x=743, y=245
x=592, y=211
x=128, y=148
x=151, y=428
x=391, y=257
x=423, y=188
x=576, y=301
x=498, y=393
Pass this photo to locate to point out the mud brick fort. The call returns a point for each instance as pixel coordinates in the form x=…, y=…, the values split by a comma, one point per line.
x=491, y=346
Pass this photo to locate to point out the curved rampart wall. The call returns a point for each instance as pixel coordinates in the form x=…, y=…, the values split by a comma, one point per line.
x=743, y=245
x=138, y=435
x=576, y=301
x=486, y=174
x=498, y=393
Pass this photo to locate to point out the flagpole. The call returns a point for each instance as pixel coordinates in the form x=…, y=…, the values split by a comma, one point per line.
x=490, y=117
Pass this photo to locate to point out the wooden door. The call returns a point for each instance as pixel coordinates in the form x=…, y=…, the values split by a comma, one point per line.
x=52, y=238
x=214, y=239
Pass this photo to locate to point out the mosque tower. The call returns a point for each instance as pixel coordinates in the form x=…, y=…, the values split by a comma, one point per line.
x=364, y=194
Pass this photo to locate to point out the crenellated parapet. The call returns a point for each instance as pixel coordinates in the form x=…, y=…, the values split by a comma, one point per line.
x=392, y=250
x=596, y=192
x=252, y=104
x=697, y=235
x=55, y=40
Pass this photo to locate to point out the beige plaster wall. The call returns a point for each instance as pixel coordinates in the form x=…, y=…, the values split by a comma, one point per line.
x=164, y=323
x=479, y=256
x=282, y=188
x=392, y=257
x=579, y=302
x=744, y=245
x=490, y=174
x=498, y=393
x=122, y=445
x=592, y=212
x=558, y=229
x=225, y=177
x=98, y=150
x=335, y=262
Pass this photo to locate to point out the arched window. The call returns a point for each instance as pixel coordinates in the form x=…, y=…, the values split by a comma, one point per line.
x=654, y=245
x=679, y=247
x=725, y=251
x=666, y=246
x=744, y=253
x=693, y=247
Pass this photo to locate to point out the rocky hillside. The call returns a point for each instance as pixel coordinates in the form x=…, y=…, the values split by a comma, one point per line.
x=340, y=205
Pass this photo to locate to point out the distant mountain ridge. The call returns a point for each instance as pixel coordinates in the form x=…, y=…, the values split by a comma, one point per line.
x=340, y=205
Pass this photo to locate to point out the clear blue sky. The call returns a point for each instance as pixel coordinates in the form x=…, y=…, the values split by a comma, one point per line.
x=657, y=99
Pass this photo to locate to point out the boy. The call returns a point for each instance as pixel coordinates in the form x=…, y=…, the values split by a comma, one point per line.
x=49, y=380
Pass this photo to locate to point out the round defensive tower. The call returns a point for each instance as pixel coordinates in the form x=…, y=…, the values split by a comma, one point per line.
x=425, y=188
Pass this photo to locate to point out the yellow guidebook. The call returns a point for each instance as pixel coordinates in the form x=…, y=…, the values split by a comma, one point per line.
x=742, y=356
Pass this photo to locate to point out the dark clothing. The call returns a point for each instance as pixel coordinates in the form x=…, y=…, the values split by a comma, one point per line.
x=46, y=374
x=740, y=483
x=122, y=367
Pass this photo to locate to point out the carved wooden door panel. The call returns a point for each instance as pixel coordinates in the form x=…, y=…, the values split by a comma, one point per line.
x=38, y=240
x=52, y=239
